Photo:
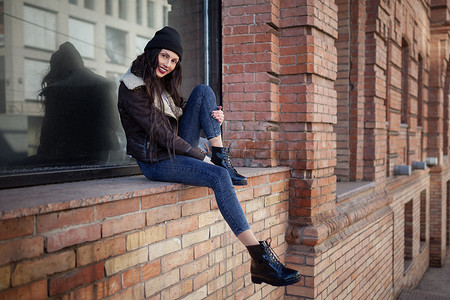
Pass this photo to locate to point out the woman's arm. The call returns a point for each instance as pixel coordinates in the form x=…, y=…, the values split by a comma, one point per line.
x=135, y=103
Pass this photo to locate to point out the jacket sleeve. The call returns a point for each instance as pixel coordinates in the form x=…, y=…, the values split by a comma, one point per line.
x=135, y=103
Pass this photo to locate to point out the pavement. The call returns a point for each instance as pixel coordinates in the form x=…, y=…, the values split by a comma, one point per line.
x=434, y=285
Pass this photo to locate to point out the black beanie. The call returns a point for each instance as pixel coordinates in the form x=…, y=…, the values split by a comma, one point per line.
x=166, y=38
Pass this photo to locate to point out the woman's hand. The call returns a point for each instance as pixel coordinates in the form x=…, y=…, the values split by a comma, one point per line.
x=218, y=115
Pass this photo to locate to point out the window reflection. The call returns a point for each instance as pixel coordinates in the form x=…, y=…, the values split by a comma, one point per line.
x=123, y=9
x=89, y=4
x=116, y=45
x=139, y=11
x=40, y=28
x=60, y=66
x=81, y=35
x=79, y=125
x=108, y=7
x=150, y=13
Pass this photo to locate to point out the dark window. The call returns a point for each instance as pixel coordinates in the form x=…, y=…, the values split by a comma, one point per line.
x=109, y=7
x=423, y=218
x=405, y=82
x=63, y=132
x=420, y=92
x=446, y=108
x=408, y=235
x=448, y=214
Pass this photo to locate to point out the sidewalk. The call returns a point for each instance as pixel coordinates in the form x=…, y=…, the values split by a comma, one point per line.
x=435, y=285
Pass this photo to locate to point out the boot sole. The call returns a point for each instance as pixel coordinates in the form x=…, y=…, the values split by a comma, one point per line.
x=259, y=280
x=241, y=182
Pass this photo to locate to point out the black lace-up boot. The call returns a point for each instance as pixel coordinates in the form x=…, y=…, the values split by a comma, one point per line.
x=221, y=157
x=267, y=268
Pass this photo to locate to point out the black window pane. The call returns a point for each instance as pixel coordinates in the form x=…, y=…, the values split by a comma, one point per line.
x=58, y=104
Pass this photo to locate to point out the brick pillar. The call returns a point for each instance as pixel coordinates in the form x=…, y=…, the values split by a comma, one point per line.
x=376, y=37
x=251, y=80
x=308, y=108
x=438, y=216
x=308, y=66
x=361, y=88
x=439, y=58
x=435, y=104
x=356, y=94
x=342, y=86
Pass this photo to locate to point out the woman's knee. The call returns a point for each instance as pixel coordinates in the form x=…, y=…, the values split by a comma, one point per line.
x=223, y=177
x=202, y=88
x=205, y=91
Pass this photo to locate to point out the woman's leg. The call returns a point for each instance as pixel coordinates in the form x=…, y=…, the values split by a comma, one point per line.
x=197, y=117
x=191, y=171
x=247, y=238
x=265, y=266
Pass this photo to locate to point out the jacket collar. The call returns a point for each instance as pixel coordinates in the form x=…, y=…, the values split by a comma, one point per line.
x=132, y=81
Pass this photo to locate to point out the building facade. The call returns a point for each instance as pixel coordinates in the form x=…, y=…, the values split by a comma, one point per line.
x=352, y=96
x=345, y=106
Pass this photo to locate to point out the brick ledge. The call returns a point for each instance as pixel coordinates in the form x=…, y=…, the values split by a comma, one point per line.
x=347, y=216
x=42, y=199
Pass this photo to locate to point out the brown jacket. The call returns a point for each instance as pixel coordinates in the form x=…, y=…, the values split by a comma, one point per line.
x=135, y=117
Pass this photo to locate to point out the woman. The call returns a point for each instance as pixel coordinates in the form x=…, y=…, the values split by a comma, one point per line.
x=163, y=132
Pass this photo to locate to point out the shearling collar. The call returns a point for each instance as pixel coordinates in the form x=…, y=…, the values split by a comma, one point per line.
x=132, y=81
x=169, y=108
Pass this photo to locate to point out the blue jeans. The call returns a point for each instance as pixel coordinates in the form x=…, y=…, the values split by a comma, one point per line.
x=191, y=171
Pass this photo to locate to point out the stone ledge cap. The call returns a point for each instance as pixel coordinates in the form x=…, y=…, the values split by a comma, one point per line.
x=26, y=201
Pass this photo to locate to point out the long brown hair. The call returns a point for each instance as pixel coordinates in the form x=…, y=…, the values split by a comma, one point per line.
x=145, y=66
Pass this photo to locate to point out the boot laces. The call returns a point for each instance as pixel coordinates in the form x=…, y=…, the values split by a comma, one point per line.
x=273, y=257
x=227, y=158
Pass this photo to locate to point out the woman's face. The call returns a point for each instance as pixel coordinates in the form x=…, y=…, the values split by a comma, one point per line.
x=167, y=61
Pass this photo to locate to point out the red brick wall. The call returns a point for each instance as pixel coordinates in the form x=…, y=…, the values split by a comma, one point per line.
x=165, y=242
x=251, y=93
x=439, y=201
x=358, y=266
x=312, y=85
x=308, y=106
x=407, y=272
x=371, y=136
x=336, y=76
